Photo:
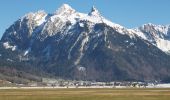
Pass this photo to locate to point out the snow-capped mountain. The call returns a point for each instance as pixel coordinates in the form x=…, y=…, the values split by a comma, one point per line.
x=158, y=35
x=70, y=44
x=40, y=26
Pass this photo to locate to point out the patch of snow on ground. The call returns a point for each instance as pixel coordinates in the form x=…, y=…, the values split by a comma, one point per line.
x=95, y=45
x=163, y=44
x=7, y=45
x=14, y=48
x=15, y=32
x=163, y=85
x=81, y=24
x=27, y=51
x=81, y=68
x=126, y=41
x=131, y=44
x=10, y=60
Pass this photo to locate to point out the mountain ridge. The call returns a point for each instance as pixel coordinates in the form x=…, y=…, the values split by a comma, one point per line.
x=73, y=45
x=40, y=17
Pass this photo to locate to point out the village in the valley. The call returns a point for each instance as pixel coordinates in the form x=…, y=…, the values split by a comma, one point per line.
x=60, y=83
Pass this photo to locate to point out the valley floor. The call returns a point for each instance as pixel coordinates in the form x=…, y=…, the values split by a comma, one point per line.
x=86, y=94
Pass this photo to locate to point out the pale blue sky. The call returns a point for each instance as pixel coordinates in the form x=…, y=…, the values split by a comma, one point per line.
x=129, y=13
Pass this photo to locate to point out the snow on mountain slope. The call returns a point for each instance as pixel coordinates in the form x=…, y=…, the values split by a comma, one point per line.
x=8, y=46
x=69, y=44
x=38, y=17
x=158, y=35
x=67, y=14
x=42, y=25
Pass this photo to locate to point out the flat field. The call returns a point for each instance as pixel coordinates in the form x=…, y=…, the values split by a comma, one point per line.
x=85, y=94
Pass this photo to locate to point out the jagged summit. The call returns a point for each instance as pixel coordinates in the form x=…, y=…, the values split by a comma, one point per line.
x=50, y=24
x=65, y=9
x=34, y=14
x=73, y=45
x=94, y=12
x=156, y=29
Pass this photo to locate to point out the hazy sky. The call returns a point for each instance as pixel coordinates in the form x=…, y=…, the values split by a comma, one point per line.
x=129, y=13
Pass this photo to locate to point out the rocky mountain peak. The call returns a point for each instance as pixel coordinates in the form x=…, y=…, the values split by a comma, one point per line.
x=65, y=9
x=73, y=45
x=94, y=12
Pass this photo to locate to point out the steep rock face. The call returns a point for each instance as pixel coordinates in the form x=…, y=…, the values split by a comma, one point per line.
x=73, y=45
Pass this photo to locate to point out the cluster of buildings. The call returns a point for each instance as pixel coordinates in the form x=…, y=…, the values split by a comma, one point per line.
x=60, y=83
x=88, y=84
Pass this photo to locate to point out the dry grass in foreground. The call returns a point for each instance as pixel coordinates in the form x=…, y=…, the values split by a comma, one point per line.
x=85, y=94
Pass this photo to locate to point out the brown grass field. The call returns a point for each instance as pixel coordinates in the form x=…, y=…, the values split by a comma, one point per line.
x=85, y=94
